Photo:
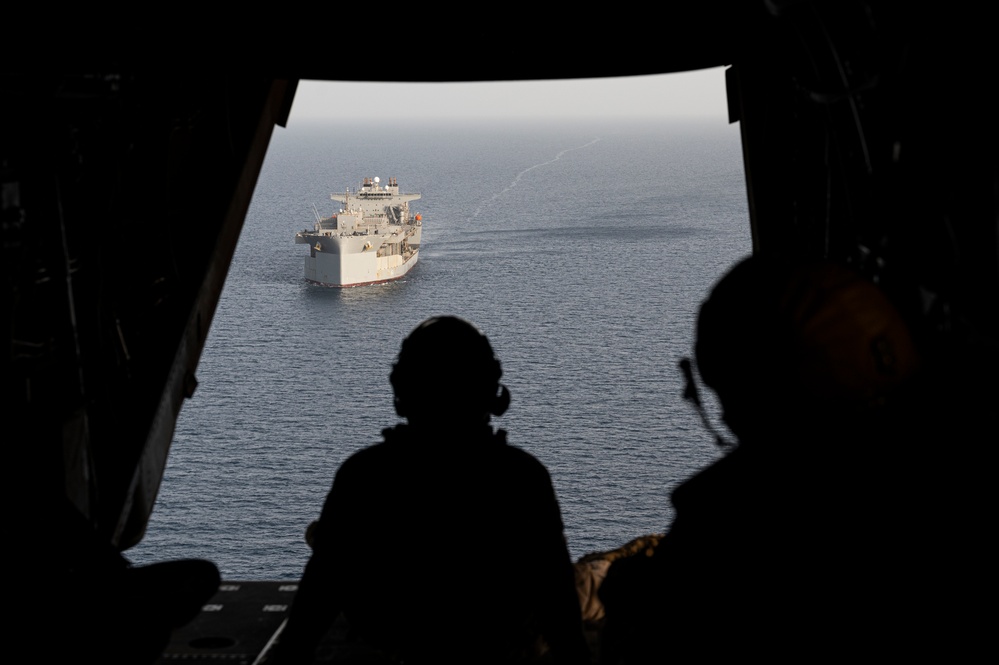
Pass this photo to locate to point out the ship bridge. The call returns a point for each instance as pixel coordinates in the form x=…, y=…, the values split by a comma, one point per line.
x=378, y=202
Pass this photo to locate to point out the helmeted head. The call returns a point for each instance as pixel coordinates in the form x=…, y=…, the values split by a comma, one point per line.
x=447, y=373
x=790, y=341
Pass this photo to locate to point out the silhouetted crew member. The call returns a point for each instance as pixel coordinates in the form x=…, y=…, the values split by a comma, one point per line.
x=89, y=603
x=788, y=548
x=442, y=543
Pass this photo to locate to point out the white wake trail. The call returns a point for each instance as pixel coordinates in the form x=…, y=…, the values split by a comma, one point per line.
x=520, y=175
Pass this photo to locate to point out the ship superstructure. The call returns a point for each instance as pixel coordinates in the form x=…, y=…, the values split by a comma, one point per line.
x=373, y=238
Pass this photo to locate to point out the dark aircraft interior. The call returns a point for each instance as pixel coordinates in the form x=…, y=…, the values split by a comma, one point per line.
x=868, y=134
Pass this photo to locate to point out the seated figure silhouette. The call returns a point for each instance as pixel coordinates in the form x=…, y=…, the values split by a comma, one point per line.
x=442, y=543
x=91, y=604
x=789, y=546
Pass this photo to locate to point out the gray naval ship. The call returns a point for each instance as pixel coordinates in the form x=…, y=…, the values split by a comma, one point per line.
x=372, y=239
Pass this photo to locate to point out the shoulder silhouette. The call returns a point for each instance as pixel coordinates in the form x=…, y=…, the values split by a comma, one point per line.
x=442, y=543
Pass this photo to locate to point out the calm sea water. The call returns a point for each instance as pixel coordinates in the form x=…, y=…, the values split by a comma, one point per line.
x=581, y=250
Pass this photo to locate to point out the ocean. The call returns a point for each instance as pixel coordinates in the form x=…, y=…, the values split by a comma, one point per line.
x=581, y=249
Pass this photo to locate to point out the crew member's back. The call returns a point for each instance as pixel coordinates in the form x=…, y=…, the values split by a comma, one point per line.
x=442, y=543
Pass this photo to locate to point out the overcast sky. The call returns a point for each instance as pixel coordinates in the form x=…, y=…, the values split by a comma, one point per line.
x=687, y=94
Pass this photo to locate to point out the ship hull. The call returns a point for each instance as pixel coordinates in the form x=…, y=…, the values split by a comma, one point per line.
x=346, y=270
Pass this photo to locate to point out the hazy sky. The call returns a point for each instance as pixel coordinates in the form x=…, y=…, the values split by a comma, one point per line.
x=700, y=93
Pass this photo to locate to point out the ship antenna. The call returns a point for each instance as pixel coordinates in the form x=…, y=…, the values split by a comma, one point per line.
x=315, y=210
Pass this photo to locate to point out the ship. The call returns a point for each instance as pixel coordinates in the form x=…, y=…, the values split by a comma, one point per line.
x=372, y=239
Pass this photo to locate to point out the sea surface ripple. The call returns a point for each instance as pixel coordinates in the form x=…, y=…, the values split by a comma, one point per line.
x=582, y=250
